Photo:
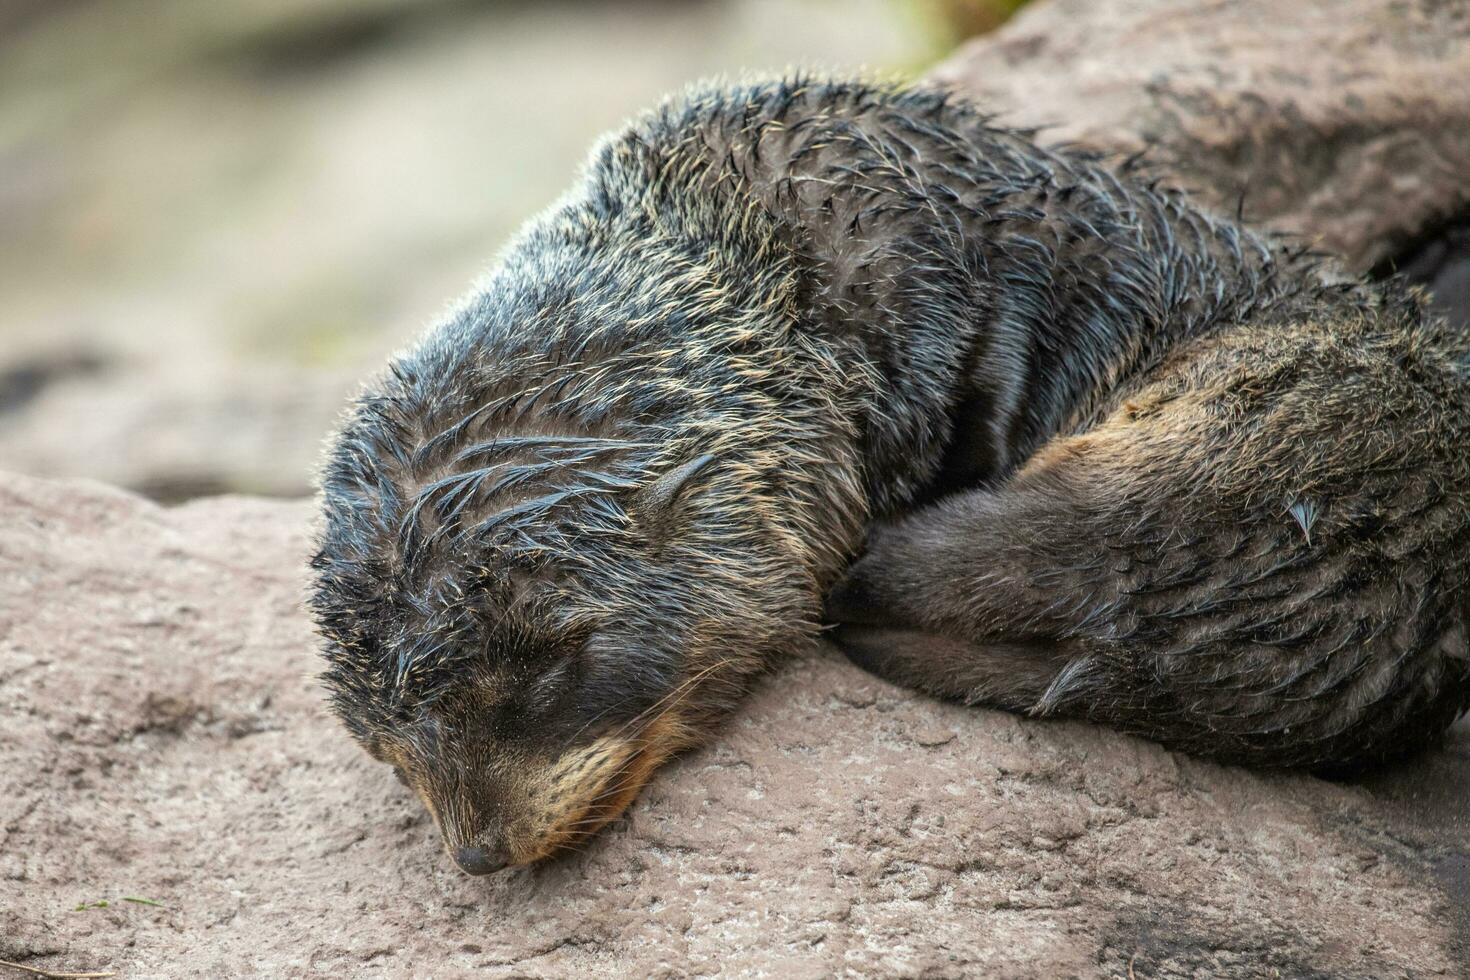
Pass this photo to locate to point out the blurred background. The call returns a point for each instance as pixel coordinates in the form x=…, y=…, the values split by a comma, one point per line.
x=216, y=218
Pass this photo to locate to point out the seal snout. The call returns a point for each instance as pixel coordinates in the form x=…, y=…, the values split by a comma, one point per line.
x=478, y=861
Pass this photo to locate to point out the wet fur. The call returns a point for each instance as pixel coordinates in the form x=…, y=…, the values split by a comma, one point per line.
x=619, y=481
x=1262, y=556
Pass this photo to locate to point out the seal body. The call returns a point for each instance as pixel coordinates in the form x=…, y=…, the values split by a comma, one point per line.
x=1112, y=457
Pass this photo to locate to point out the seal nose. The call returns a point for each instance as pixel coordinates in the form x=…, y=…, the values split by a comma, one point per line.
x=477, y=861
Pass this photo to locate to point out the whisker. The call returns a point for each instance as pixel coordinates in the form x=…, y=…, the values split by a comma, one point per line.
x=679, y=693
x=598, y=811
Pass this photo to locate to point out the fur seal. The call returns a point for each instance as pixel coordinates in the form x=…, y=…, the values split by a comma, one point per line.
x=1114, y=458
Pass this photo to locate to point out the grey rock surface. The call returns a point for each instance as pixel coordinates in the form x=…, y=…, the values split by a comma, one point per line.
x=163, y=738
x=1346, y=122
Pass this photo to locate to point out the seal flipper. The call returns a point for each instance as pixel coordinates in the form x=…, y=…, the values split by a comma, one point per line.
x=1267, y=571
x=1014, y=676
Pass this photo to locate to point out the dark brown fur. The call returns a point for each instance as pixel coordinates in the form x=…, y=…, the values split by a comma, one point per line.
x=1156, y=470
x=1259, y=556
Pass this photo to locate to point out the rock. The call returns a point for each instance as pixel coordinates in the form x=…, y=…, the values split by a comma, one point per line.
x=1347, y=122
x=169, y=428
x=163, y=739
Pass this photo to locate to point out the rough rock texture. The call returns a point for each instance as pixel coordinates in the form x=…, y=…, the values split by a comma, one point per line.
x=163, y=738
x=1348, y=121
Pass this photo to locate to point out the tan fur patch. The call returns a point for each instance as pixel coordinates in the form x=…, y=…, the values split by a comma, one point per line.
x=600, y=782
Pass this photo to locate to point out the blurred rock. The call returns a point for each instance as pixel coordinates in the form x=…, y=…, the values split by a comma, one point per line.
x=164, y=740
x=958, y=20
x=1346, y=122
x=238, y=210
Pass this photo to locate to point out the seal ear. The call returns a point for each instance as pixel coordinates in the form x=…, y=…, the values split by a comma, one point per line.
x=656, y=501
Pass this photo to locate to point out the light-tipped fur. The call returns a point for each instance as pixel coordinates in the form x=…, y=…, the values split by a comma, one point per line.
x=564, y=533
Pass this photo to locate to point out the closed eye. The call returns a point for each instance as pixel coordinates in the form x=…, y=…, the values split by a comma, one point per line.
x=549, y=688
